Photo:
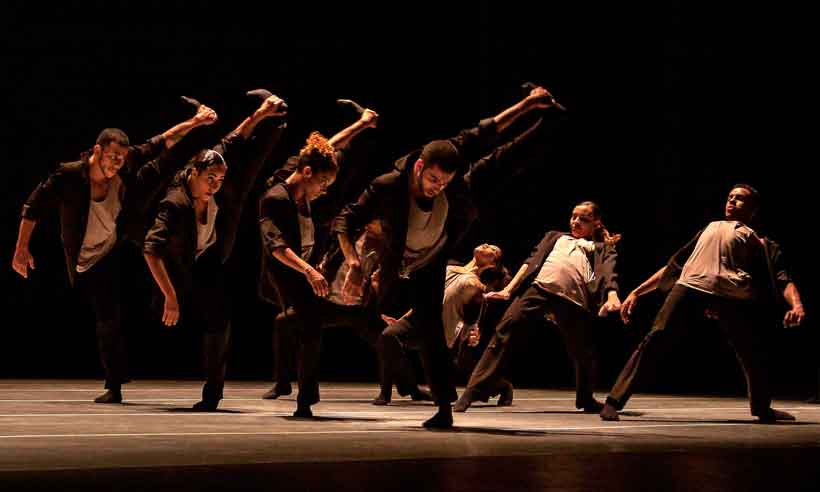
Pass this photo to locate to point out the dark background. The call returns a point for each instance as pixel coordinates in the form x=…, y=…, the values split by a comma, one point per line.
x=668, y=107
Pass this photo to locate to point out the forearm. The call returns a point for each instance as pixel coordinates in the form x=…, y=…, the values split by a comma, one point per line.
x=508, y=116
x=343, y=138
x=248, y=125
x=291, y=259
x=160, y=274
x=649, y=284
x=792, y=296
x=25, y=232
x=174, y=134
x=351, y=257
x=517, y=279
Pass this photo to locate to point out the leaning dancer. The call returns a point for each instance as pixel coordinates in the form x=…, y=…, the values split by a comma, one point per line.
x=728, y=273
x=422, y=224
x=195, y=229
x=100, y=198
x=288, y=278
x=569, y=277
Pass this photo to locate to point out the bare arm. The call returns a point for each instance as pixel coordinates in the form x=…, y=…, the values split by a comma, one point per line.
x=170, y=313
x=796, y=314
x=505, y=293
x=294, y=261
x=537, y=98
x=204, y=116
x=270, y=107
x=342, y=139
x=647, y=286
x=349, y=251
x=23, y=260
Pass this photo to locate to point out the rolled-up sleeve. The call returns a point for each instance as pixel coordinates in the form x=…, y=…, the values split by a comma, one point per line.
x=271, y=219
x=473, y=143
x=165, y=224
x=779, y=266
x=44, y=197
x=609, y=274
x=356, y=215
x=140, y=154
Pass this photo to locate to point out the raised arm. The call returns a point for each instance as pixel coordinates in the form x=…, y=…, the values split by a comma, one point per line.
x=204, y=116
x=538, y=97
x=367, y=119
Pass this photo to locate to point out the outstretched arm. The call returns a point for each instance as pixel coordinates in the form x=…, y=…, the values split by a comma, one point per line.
x=342, y=139
x=538, y=97
x=270, y=107
x=647, y=286
x=204, y=116
x=505, y=293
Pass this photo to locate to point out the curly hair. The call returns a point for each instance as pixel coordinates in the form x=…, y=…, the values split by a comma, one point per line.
x=318, y=154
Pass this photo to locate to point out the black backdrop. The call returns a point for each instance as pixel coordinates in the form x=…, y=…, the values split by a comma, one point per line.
x=668, y=107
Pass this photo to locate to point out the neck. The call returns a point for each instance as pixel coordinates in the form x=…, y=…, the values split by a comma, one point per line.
x=473, y=267
x=295, y=185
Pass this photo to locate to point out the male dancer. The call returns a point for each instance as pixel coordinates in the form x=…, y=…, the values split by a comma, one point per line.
x=423, y=223
x=726, y=272
x=99, y=197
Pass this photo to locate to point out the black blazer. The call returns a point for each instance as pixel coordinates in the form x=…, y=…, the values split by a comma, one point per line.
x=173, y=234
x=603, y=264
x=388, y=198
x=69, y=189
x=279, y=284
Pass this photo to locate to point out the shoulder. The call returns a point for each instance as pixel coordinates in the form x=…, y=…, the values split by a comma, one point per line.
x=176, y=198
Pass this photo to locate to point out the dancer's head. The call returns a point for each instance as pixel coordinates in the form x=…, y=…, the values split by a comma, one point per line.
x=742, y=203
x=487, y=254
x=110, y=151
x=317, y=166
x=585, y=223
x=207, y=172
x=435, y=168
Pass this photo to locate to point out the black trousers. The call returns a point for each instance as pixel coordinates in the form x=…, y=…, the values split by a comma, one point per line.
x=306, y=318
x=739, y=320
x=206, y=308
x=100, y=285
x=536, y=306
x=424, y=292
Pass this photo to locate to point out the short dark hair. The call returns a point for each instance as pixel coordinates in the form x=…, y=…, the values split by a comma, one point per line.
x=754, y=194
x=443, y=154
x=112, y=135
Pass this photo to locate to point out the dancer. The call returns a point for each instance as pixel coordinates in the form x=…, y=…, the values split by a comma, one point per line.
x=422, y=224
x=194, y=231
x=99, y=198
x=726, y=272
x=568, y=278
x=462, y=310
x=288, y=278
